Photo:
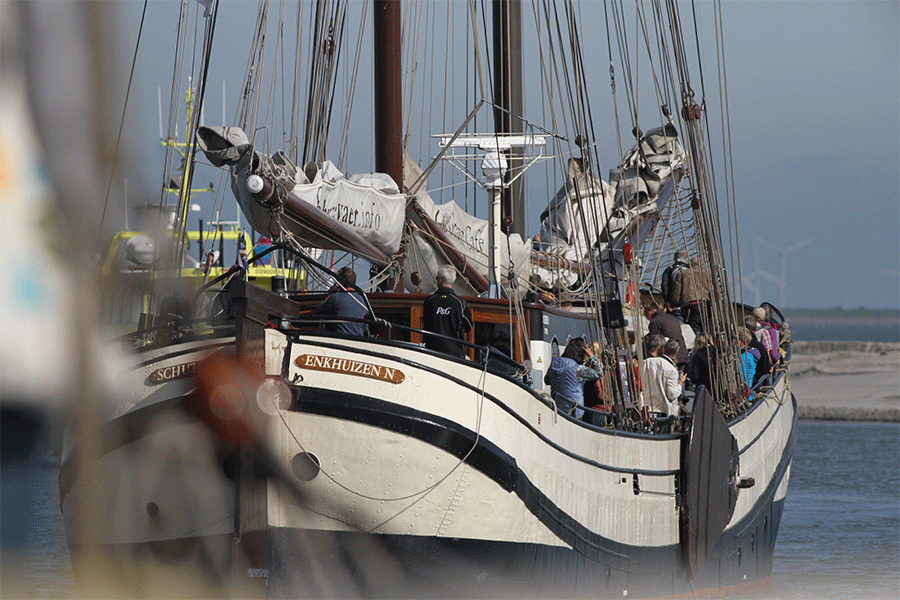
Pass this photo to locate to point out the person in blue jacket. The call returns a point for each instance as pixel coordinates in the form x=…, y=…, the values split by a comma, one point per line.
x=567, y=375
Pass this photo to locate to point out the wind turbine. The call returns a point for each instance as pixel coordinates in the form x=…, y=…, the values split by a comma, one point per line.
x=753, y=283
x=782, y=254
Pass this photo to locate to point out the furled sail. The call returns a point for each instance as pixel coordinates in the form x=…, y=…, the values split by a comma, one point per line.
x=588, y=213
x=364, y=213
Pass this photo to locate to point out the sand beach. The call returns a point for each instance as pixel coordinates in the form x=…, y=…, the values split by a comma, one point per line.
x=850, y=381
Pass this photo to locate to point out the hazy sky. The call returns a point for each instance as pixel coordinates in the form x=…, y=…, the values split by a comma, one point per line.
x=815, y=119
x=814, y=89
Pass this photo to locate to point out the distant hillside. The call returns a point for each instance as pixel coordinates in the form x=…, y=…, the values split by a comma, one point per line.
x=853, y=316
x=835, y=324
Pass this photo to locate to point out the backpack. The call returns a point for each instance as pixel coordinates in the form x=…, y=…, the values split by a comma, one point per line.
x=668, y=280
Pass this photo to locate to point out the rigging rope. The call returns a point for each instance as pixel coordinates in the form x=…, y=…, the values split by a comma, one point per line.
x=137, y=46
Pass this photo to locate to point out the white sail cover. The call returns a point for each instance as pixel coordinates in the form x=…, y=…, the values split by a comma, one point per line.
x=369, y=205
x=470, y=235
x=585, y=215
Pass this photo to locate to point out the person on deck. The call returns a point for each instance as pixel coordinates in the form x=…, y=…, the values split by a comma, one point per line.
x=597, y=394
x=665, y=324
x=764, y=362
x=653, y=344
x=567, y=374
x=748, y=360
x=345, y=302
x=767, y=334
x=668, y=279
x=446, y=314
x=691, y=293
x=663, y=384
x=700, y=365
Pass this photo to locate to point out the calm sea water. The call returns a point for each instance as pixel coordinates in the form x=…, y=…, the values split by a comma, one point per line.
x=840, y=534
x=839, y=537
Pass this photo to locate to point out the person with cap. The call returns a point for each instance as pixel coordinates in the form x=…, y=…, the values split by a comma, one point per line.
x=766, y=334
x=446, y=314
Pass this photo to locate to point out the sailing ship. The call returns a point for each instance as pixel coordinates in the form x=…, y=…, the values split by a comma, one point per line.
x=257, y=453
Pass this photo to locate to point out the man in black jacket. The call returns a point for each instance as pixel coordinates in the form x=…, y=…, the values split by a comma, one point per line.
x=447, y=314
x=663, y=323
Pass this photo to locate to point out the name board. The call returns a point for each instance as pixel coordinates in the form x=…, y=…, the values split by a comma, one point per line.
x=349, y=367
x=173, y=372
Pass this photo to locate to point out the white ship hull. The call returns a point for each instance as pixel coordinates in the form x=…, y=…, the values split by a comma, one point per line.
x=462, y=481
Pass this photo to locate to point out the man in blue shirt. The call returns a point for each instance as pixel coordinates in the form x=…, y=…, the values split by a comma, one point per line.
x=345, y=301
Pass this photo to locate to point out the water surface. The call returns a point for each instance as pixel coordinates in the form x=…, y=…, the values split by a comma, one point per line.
x=839, y=537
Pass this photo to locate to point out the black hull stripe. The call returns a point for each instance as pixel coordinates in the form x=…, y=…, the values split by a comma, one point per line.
x=132, y=426
x=193, y=349
x=766, y=498
x=528, y=425
x=502, y=468
x=458, y=441
x=119, y=432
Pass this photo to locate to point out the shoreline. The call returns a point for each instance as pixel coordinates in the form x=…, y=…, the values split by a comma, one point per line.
x=846, y=380
x=870, y=415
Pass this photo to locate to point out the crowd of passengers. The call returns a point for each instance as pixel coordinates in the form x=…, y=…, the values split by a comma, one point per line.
x=668, y=374
x=577, y=379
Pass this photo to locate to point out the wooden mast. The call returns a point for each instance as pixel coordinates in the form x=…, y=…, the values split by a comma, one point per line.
x=507, y=19
x=388, y=86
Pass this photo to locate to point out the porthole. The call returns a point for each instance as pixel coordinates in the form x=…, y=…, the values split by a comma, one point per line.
x=305, y=466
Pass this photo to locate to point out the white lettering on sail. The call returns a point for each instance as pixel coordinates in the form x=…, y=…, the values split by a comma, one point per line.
x=374, y=214
x=349, y=367
x=474, y=238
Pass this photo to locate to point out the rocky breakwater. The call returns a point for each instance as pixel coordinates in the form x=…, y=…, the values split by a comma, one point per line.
x=848, y=381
